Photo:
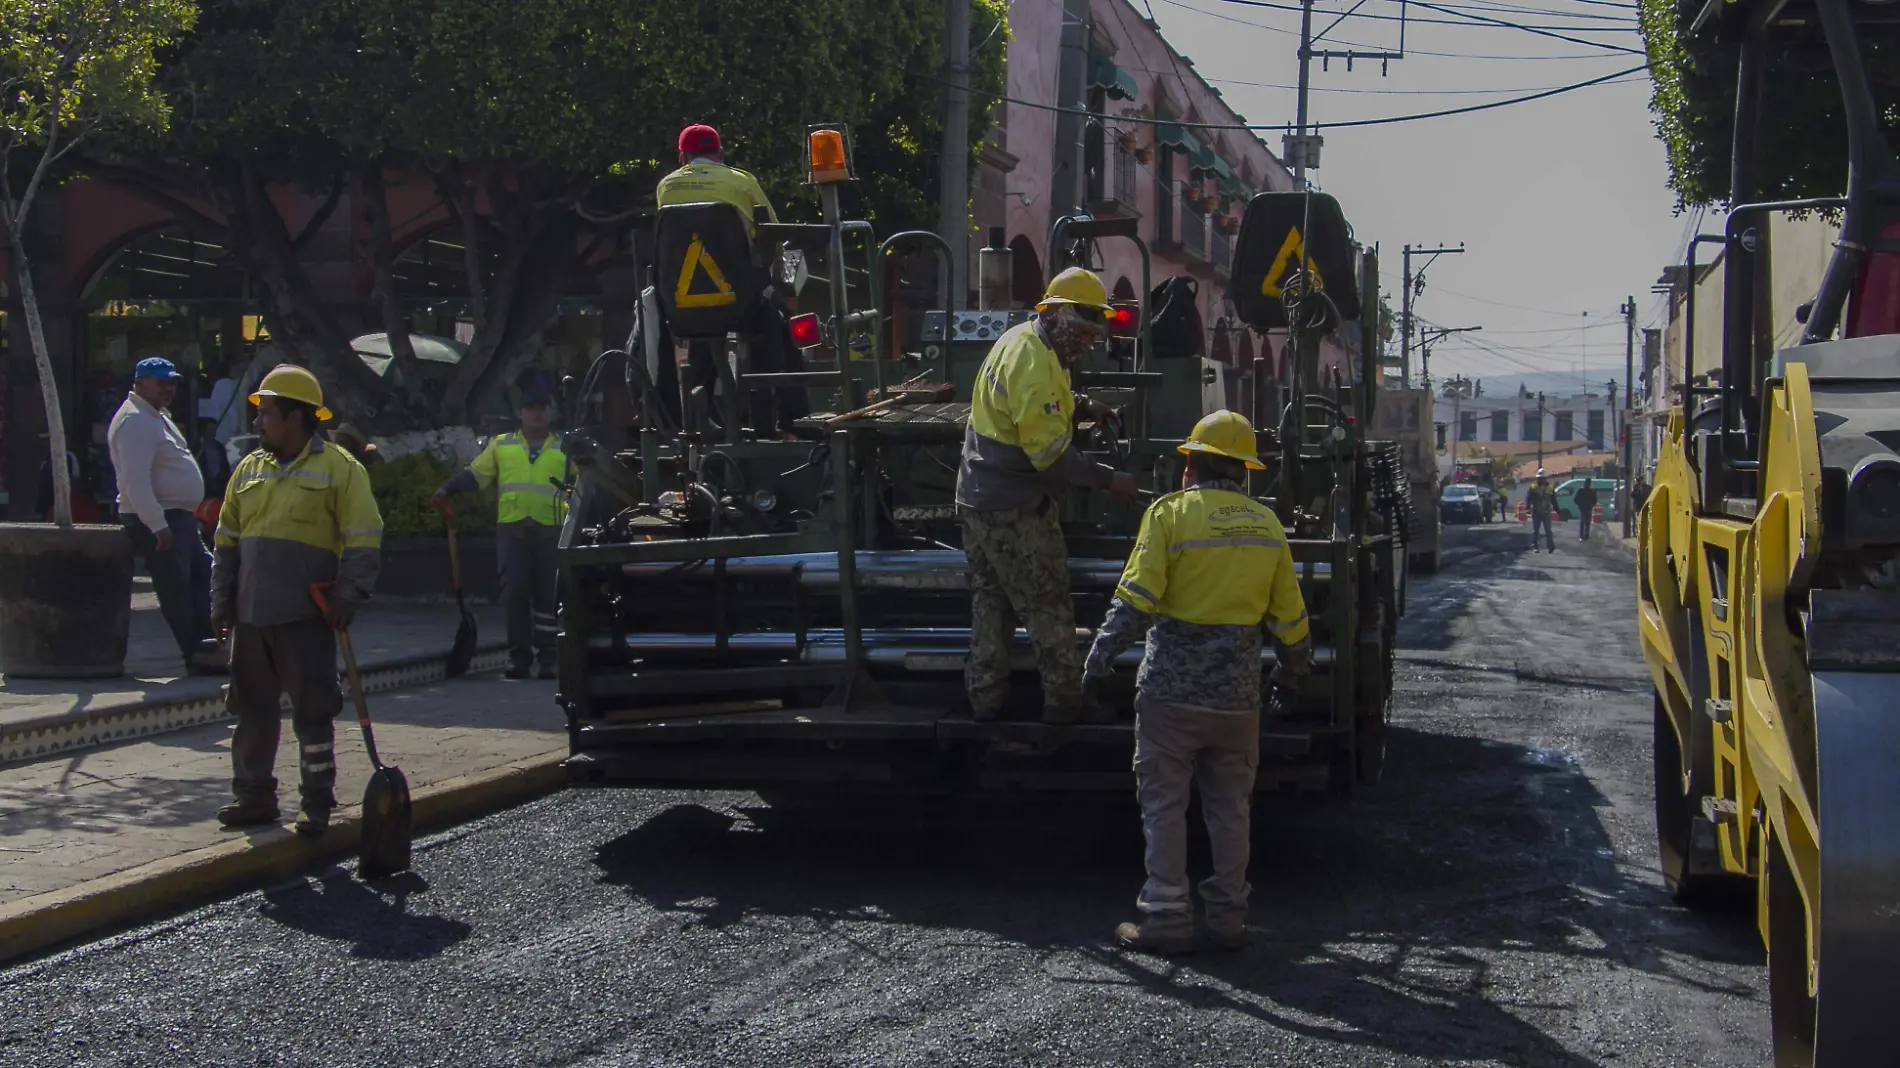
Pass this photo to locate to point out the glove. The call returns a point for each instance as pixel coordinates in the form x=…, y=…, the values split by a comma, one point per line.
x=1095, y=698
x=1282, y=701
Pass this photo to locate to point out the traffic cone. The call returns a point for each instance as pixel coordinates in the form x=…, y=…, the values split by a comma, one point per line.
x=1596, y=515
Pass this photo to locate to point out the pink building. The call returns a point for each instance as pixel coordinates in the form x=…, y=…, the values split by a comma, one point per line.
x=1187, y=186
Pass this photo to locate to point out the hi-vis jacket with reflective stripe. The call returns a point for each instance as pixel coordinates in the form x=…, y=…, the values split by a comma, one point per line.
x=1017, y=449
x=708, y=181
x=285, y=526
x=1215, y=557
x=522, y=478
x=1210, y=570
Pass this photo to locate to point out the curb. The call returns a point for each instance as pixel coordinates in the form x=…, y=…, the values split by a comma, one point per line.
x=169, y=886
x=45, y=736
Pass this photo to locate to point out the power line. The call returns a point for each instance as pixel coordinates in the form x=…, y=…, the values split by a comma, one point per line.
x=1367, y=92
x=1463, y=20
x=1478, y=107
x=1362, y=44
x=1541, y=32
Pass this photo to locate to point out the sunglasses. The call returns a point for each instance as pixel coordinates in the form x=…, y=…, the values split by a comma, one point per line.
x=1092, y=316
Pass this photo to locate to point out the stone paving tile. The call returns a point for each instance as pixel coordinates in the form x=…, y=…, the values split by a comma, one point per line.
x=92, y=813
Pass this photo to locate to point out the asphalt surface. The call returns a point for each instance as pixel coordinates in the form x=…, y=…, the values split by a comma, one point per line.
x=1494, y=902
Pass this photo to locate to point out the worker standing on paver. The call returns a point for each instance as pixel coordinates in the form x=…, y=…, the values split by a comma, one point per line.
x=1211, y=572
x=1018, y=456
x=1541, y=502
x=160, y=487
x=525, y=466
x=297, y=512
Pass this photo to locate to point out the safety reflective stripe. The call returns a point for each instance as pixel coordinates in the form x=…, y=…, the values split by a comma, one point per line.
x=300, y=472
x=318, y=747
x=995, y=382
x=1281, y=629
x=328, y=765
x=1046, y=456
x=1237, y=541
x=361, y=532
x=1140, y=591
x=528, y=487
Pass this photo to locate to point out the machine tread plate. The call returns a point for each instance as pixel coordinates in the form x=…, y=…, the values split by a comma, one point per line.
x=1857, y=726
x=941, y=421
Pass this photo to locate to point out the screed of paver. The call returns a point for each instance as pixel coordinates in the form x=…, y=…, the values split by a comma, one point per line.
x=69, y=820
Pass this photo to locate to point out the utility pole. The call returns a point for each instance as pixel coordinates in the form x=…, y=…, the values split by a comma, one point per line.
x=1540, y=432
x=1405, y=304
x=953, y=208
x=1306, y=148
x=1299, y=149
x=1629, y=407
x=1425, y=349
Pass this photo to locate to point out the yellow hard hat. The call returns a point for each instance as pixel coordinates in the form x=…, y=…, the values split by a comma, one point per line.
x=291, y=382
x=1076, y=286
x=1224, y=433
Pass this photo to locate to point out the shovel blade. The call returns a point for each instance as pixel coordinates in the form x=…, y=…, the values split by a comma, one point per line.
x=386, y=825
x=463, y=651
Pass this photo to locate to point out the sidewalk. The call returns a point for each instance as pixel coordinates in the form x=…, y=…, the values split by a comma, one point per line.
x=108, y=836
x=397, y=642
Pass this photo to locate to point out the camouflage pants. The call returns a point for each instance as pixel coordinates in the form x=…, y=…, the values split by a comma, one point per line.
x=1019, y=570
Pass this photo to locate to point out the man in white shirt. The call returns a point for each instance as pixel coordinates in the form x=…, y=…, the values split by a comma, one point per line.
x=159, y=487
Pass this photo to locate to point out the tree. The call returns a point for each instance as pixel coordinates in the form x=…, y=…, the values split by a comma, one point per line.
x=1803, y=134
x=70, y=71
x=542, y=124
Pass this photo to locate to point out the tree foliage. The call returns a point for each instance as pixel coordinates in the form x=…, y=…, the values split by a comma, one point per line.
x=541, y=123
x=1803, y=138
x=70, y=71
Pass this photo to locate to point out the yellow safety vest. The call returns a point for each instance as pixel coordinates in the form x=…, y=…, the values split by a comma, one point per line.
x=1022, y=397
x=524, y=489
x=1218, y=558
x=708, y=182
x=288, y=525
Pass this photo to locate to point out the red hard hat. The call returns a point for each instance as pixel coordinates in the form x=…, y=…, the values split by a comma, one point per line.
x=698, y=140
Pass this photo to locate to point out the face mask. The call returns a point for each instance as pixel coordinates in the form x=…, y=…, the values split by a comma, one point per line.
x=1071, y=337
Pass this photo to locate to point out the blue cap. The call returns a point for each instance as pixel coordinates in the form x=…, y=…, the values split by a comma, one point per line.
x=156, y=367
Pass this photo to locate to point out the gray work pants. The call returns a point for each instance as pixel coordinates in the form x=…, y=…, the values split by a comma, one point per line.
x=298, y=659
x=524, y=552
x=1176, y=748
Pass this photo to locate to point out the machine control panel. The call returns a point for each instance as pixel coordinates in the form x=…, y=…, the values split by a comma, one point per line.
x=973, y=325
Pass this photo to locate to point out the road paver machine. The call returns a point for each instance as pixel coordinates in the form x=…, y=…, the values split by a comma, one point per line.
x=1769, y=580
x=783, y=606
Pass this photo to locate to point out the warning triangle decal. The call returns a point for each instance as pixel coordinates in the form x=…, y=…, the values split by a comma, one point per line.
x=698, y=262
x=1292, y=250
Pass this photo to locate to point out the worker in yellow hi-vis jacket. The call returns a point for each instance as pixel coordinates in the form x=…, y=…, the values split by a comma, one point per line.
x=524, y=466
x=297, y=511
x=1210, y=574
x=1019, y=457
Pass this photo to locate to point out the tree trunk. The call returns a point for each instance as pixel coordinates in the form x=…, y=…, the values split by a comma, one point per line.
x=49, y=386
x=402, y=350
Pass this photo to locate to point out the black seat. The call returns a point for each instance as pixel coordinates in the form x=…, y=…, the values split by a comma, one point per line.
x=708, y=281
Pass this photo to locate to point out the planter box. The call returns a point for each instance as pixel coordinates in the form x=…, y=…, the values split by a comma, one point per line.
x=420, y=566
x=65, y=600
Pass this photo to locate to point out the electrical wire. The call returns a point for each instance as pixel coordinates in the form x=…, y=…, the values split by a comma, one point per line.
x=1478, y=107
x=1489, y=21
x=1363, y=44
x=1371, y=92
x=1463, y=19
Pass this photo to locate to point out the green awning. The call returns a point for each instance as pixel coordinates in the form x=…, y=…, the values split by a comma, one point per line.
x=1104, y=74
x=1201, y=157
x=1171, y=133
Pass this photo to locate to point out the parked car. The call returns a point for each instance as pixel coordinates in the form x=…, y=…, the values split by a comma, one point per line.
x=1607, y=490
x=1461, y=504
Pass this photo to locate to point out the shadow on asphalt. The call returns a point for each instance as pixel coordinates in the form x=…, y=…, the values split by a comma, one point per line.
x=373, y=917
x=1384, y=919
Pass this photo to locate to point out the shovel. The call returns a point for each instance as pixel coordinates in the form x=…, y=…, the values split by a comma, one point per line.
x=386, y=812
x=464, y=648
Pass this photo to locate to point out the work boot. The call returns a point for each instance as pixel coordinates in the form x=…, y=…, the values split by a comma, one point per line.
x=1147, y=938
x=547, y=671
x=1062, y=715
x=520, y=669
x=984, y=714
x=248, y=813
x=209, y=658
x=312, y=822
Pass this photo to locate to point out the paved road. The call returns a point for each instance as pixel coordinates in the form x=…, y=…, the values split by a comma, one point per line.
x=1494, y=902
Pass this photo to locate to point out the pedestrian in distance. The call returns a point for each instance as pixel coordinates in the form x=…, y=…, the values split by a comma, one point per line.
x=1541, y=503
x=299, y=511
x=1211, y=575
x=525, y=466
x=160, y=488
x=1586, y=501
x=1019, y=455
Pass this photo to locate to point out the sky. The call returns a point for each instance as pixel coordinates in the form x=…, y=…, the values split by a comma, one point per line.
x=1561, y=204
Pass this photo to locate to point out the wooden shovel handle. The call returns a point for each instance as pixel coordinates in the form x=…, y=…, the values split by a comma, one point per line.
x=455, y=554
